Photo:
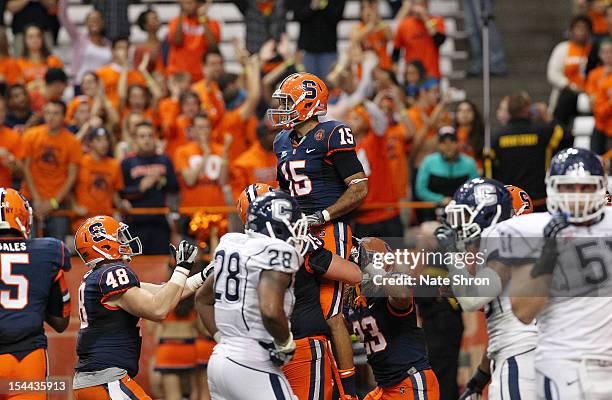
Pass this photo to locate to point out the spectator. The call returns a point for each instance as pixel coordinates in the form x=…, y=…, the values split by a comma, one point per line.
x=119, y=73
x=600, y=80
x=148, y=21
x=140, y=100
x=148, y=178
x=99, y=180
x=597, y=14
x=318, y=32
x=50, y=158
x=36, y=56
x=419, y=35
x=372, y=33
x=169, y=108
x=208, y=88
x=594, y=60
x=90, y=88
x=442, y=172
x=472, y=10
x=19, y=115
x=127, y=146
x=191, y=35
x=10, y=71
x=116, y=20
x=522, y=139
x=257, y=163
x=501, y=114
x=41, y=12
x=566, y=70
x=10, y=143
x=178, y=133
x=414, y=76
x=470, y=130
x=91, y=50
x=264, y=20
x=56, y=82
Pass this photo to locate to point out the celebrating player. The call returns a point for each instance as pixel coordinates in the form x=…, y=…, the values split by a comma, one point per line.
x=317, y=165
x=384, y=318
x=111, y=302
x=32, y=291
x=561, y=261
x=486, y=203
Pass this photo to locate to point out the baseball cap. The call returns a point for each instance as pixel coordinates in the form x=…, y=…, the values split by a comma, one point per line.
x=447, y=132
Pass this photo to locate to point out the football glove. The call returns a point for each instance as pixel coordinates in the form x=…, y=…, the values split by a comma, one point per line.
x=548, y=258
x=447, y=237
x=557, y=223
x=476, y=384
x=185, y=255
x=316, y=219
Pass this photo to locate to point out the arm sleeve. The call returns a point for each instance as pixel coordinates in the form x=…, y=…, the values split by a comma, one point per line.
x=378, y=119
x=318, y=262
x=422, y=189
x=555, y=71
x=346, y=163
x=117, y=279
x=64, y=19
x=58, y=304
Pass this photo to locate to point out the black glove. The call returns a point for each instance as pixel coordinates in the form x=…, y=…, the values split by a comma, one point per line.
x=447, y=237
x=548, y=258
x=476, y=384
x=185, y=255
x=316, y=219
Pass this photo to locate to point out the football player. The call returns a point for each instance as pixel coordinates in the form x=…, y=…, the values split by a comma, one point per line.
x=477, y=207
x=111, y=302
x=32, y=291
x=384, y=318
x=561, y=267
x=317, y=165
x=310, y=370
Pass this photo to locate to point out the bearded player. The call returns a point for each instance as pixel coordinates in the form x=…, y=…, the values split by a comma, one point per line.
x=561, y=266
x=317, y=165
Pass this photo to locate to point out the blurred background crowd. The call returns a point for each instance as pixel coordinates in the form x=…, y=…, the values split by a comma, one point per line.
x=154, y=109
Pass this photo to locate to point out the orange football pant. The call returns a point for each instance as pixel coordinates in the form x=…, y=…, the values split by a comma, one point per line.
x=124, y=388
x=32, y=367
x=422, y=385
x=309, y=372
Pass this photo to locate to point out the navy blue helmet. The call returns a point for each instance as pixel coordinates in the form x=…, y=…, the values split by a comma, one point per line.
x=571, y=167
x=478, y=204
x=278, y=215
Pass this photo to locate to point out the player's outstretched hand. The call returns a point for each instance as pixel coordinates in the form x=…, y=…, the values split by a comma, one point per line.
x=557, y=223
x=185, y=255
x=316, y=219
x=476, y=385
x=446, y=236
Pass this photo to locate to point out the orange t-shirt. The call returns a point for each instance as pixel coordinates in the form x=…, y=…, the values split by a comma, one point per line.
x=110, y=74
x=32, y=70
x=412, y=36
x=414, y=113
x=243, y=132
x=97, y=182
x=398, y=149
x=602, y=109
x=9, y=140
x=10, y=71
x=211, y=98
x=206, y=191
x=377, y=41
x=575, y=63
x=598, y=22
x=254, y=165
x=50, y=157
x=371, y=151
x=168, y=111
x=594, y=79
x=188, y=57
x=176, y=135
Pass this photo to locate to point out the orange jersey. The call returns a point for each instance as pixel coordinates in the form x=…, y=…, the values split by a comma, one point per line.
x=110, y=74
x=10, y=71
x=9, y=140
x=398, y=161
x=36, y=70
x=211, y=98
x=206, y=191
x=602, y=109
x=594, y=79
x=49, y=157
x=598, y=22
x=188, y=56
x=168, y=111
x=413, y=37
x=176, y=135
x=243, y=132
x=377, y=41
x=254, y=165
x=373, y=153
x=96, y=184
x=575, y=63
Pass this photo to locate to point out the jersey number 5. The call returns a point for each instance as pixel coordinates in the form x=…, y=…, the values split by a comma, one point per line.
x=299, y=184
x=18, y=281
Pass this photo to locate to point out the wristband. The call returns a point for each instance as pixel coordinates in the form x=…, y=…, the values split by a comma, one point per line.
x=287, y=343
x=217, y=337
x=194, y=282
x=179, y=276
x=54, y=203
x=326, y=215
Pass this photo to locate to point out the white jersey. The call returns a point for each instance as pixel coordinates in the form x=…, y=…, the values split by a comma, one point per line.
x=239, y=260
x=576, y=323
x=507, y=335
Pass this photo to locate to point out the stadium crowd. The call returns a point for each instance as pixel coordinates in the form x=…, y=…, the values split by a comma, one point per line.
x=163, y=123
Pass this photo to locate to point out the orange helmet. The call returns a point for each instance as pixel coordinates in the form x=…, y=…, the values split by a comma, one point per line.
x=249, y=194
x=104, y=238
x=521, y=202
x=15, y=212
x=300, y=96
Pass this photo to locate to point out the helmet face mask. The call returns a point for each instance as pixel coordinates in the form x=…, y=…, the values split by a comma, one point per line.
x=103, y=238
x=285, y=114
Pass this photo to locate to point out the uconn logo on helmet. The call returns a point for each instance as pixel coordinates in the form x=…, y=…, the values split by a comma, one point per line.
x=281, y=209
x=485, y=194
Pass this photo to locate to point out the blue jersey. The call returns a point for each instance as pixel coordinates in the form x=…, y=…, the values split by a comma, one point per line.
x=29, y=270
x=109, y=336
x=305, y=167
x=394, y=344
